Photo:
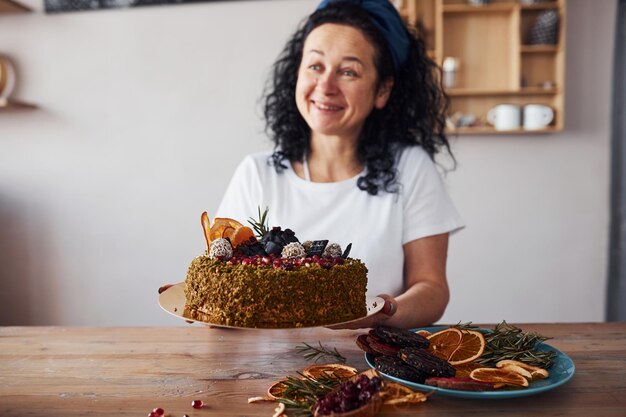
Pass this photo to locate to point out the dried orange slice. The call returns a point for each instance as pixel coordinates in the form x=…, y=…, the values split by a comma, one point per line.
x=277, y=390
x=444, y=342
x=465, y=369
x=220, y=224
x=327, y=370
x=240, y=235
x=471, y=348
x=498, y=376
x=393, y=394
x=206, y=228
x=424, y=333
x=228, y=232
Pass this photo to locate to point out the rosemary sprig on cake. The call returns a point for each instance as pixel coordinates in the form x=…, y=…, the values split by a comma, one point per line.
x=318, y=353
x=260, y=225
x=508, y=342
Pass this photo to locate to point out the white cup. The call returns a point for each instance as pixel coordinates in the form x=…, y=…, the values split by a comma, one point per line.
x=505, y=117
x=537, y=116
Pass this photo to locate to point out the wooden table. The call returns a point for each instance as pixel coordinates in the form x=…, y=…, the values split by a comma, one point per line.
x=64, y=371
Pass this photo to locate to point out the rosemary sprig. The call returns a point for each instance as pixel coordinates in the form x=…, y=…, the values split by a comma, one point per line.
x=319, y=353
x=507, y=341
x=260, y=225
x=301, y=393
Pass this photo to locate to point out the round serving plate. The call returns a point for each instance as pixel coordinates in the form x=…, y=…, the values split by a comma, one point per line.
x=561, y=371
x=172, y=300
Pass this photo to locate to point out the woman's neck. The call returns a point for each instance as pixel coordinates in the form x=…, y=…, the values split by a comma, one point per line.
x=332, y=159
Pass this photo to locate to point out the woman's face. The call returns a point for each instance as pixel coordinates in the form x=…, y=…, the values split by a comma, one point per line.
x=337, y=81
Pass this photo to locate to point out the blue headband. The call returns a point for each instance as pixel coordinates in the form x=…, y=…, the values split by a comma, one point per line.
x=388, y=21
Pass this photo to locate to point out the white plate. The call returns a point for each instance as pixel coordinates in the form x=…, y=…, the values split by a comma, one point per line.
x=172, y=300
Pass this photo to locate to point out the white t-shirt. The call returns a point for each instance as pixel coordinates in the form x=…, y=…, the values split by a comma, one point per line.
x=377, y=226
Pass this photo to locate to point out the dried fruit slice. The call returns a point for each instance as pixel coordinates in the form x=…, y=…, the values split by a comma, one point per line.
x=337, y=370
x=206, y=228
x=424, y=333
x=220, y=224
x=445, y=342
x=361, y=342
x=381, y=347
x=393, y=366
x=426, y=363
x=240, y=235
x=471, y=348
x=401, y=337
x=465, y=369
x=498, y=376
x=228, y=232
x=459, y=383
x=395, y=394
x=277, y=390
x=534, y=371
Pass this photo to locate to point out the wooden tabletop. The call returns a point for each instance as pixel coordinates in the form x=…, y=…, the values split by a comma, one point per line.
x=67, y=371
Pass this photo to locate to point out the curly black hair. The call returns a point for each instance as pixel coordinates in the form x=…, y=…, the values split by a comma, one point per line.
x=414, y=114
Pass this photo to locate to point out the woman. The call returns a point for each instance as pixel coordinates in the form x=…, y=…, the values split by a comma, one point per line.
x=356, y=113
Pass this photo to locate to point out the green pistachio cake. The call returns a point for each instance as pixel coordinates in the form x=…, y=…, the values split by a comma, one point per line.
x=267, y=292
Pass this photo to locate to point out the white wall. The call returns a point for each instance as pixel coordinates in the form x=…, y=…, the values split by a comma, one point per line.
x=144, y=113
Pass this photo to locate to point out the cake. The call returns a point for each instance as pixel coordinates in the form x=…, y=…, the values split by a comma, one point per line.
x=273, y=281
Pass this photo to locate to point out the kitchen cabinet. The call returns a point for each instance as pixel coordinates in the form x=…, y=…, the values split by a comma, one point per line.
x=496, y=61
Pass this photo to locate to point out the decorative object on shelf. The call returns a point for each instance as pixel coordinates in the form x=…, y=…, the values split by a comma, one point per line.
x=545, y=29
x=7, y=77
x=450, y=67
x=537, y=116
x=505, y=117
x=460, y=119
x=478, y=2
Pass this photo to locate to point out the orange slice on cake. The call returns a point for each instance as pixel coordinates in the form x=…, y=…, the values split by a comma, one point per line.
x=240, y=235
x=220, y=224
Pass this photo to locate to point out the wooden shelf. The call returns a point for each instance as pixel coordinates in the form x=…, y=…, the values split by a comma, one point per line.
x=496, y=63
x=488, y=130
x=541, y=49
x=526, y=91
x=540, y=6
x=12, y=104
x=10, y=6
x=487, y=8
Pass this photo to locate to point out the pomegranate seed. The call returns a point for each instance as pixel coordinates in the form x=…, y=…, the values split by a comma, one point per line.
x=197, y=404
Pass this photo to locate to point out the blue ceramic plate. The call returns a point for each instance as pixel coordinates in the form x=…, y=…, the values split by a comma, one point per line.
x=561, y=371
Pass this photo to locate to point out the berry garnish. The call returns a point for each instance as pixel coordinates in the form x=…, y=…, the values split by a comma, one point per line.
x=349, y=396
x=197, y=404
